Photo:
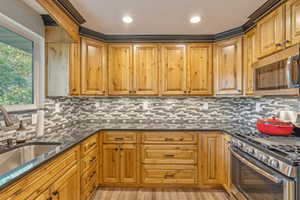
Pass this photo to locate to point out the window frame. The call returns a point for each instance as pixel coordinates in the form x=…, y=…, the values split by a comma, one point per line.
x=38, y=63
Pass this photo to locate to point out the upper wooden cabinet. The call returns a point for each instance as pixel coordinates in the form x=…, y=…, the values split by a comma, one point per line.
x=93, y=67
x=120, y=67
x=271, y=33
x=228, y=66
x=292, y=22
x=199, y=73
x=173, y=69
x=145, y=69
x=74, y=70
x=250, y=57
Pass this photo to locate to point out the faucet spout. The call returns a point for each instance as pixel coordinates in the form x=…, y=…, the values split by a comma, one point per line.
x=7, y=119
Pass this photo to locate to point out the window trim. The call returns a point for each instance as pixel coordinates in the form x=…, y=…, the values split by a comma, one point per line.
x=39, y=63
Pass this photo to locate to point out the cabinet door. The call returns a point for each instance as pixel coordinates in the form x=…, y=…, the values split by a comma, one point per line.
x=227, y=163
x=67, y=187
x=111, y=163
x=74, y=83
x=199, y=69
x=93, y=69
x=228, y=66
x=128, y=166
x=270, y=33
x=249, y=60
x=120, y=67
x=145, y=69
x=292, y=22
x=173, y=69
x=212, y=158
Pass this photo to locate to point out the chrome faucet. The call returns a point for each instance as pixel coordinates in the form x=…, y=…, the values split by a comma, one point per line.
x=8, y=121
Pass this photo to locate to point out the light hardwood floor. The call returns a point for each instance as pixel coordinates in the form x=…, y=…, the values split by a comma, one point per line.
x=159, y=194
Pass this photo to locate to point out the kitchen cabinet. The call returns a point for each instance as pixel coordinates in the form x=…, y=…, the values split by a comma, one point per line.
x=44, y=196
x=228, y=66
x=212, y=158
x=93, y=67
x=199, y=72
x=145, y=69
x=120, y=163
x=74, y=84
x=270, y=30
x=120, y=67
x=173, y=69
x=227, y=163
x=250, y=53
x=292, y=22
x=67, y=187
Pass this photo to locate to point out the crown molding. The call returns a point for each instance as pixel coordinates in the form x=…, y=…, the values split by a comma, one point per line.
x=70, y=10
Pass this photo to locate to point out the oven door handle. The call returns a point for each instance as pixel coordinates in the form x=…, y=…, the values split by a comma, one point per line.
x=257, y=169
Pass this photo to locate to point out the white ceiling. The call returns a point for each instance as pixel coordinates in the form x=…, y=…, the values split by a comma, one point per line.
x=165, y=16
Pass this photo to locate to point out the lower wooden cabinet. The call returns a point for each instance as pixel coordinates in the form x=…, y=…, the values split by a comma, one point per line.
x=227, y=163
x=44, y=196
x=120, y=163
x=212, y=158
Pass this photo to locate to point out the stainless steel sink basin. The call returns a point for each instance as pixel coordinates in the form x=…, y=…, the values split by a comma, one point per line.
x=21, y=155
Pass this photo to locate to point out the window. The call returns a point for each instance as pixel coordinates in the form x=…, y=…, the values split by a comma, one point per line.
x=21, y=66
x=16, y=69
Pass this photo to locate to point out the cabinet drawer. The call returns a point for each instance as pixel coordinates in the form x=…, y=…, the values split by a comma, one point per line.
x=89, y=160
x=119, y=137
x=89, y=177
x=90, y=191
x=162, y=174
x=169, y=154
x=88, y=145
x=36, y=182
x=169, y=137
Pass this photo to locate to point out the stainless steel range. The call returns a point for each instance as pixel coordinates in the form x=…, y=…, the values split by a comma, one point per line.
x=265, y=168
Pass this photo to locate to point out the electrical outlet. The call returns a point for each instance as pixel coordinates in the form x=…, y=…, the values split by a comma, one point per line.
x=258, y=107
x=57, y=107
x=205, y=106
x=34, y=119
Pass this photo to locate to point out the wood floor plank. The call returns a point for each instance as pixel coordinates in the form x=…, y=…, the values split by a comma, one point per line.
x=158, y=194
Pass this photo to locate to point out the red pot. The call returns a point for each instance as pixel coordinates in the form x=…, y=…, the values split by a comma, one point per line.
x=274, y=127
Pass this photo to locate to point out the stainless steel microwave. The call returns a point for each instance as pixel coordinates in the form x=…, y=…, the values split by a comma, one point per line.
x=278, y=74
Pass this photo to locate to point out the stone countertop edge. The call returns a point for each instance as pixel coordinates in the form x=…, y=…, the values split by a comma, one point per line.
x=67, y=146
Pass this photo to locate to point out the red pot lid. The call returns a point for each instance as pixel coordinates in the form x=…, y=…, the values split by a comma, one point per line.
x=275, y=121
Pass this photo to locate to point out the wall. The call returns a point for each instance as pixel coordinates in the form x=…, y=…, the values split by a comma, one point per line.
x=23, y=14
x=154, y=110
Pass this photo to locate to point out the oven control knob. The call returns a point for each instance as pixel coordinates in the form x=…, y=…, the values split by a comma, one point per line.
x=275, y=163
x=264, y=158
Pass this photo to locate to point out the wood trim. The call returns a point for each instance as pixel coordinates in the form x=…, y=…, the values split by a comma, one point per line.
x=71, y=11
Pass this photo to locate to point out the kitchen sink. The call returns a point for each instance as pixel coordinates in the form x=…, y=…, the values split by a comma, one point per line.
x=20, y=155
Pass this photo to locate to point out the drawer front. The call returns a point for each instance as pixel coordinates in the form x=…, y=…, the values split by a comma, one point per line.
x=89, y=160
x=169, y=154
x=36, y=182
x=119, y=137
x=161, y=174
x=89, y=177
x=88, y=145
x=169, y=138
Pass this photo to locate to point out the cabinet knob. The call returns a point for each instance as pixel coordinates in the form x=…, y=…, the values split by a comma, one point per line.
x=103, y=91
x=278, y=44
x=55, y=193
x=50, y=198
x=286, y=41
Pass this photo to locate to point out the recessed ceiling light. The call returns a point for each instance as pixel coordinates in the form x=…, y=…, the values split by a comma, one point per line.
x=195, y=20
x=127, y=19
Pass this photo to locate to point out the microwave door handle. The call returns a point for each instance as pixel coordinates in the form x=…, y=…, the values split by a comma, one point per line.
x=255, y=168
x=289, y=72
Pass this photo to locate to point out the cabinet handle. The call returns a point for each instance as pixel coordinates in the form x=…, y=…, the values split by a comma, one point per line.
x=169, y=139
x=93, y=144
x=169, y=155
x=286, y=41
x=50, y=198
x=93, y=159
x=169, y=175
x=189, y=91
x=119, y=138
x=185, y=92
x=91, y=176
x=116, y=149
x=278, y=44
x=55, y=193
x=103, y=91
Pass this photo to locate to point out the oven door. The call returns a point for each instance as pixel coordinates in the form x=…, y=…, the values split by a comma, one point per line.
x=255, y=181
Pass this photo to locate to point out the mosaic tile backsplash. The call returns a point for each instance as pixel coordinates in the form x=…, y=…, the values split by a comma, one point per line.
x=60, y=112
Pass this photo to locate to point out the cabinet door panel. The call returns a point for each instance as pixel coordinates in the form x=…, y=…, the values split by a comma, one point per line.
x=250, y=59
x=75, y=69
x=128, y=165
x=67, y=187
x=292, y=22
x=111, y=163
x=200, y=69
x=173, y=69
x=228, y=66
x=94, y=73
x=145, y=69
x=212, y=158
x=270, y=33
x=120, y=67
